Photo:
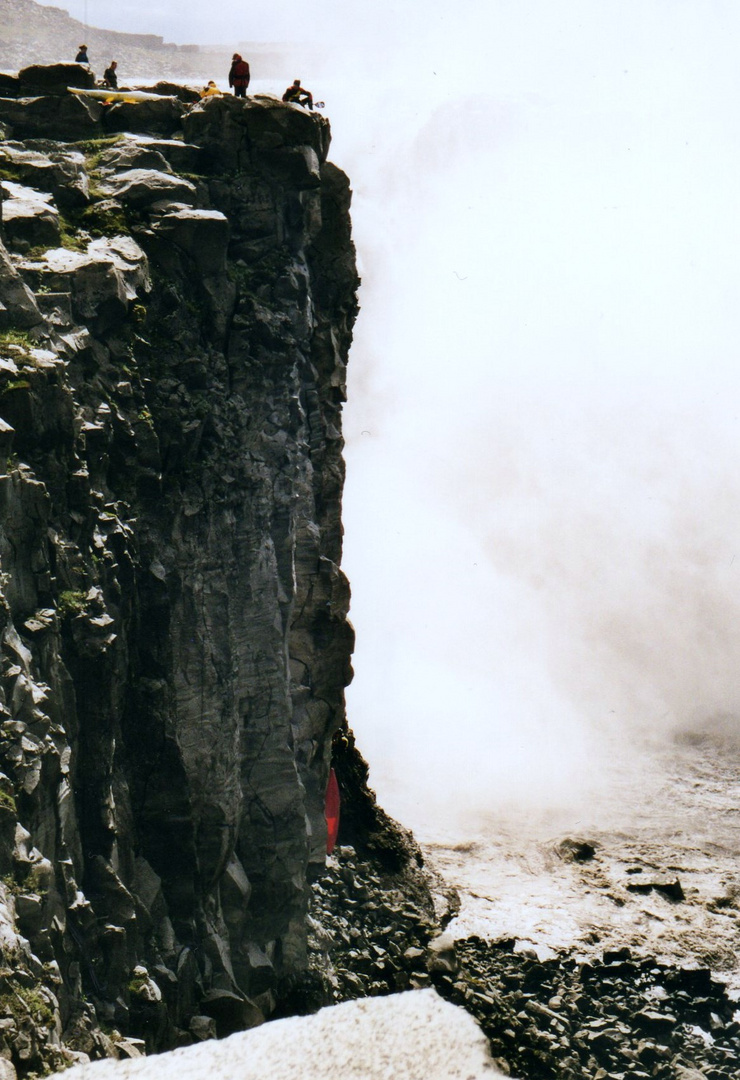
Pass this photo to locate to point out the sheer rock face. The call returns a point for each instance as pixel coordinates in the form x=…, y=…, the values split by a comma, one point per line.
x=173, y=617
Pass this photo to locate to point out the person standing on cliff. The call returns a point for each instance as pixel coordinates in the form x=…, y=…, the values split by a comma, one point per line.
x=239, y=75
x=109, y=76
x=298, y=95
x=81, y=57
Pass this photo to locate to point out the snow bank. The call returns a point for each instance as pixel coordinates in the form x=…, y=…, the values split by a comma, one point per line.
x=411, y=1036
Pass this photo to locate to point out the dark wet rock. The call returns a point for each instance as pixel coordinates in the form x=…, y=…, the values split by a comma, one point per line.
x=599, y=1019
x=29, y=910
x=231, y=1012
x=7, y=433
x=48, y=167
x=39, y=79
x=667, y=886
x=442, y=955
x=655, y=1023
x=259, y=130
x=616, y=956
x=201, y=234
x=173, y=619
x=18, y=307
x=373, y=931
x=129, y=154
x=181, y=156
x=202, y=1027
x=102, y=281
x=143, y=187
x=29, y=219
x=150, y=117
x=9, y=85
x=685, y=1072
x=363, y=823
x=573, y=849
x=65, y=116
x=693, y=980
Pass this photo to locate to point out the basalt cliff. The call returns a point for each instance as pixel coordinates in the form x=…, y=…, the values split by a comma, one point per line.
x=177, y=296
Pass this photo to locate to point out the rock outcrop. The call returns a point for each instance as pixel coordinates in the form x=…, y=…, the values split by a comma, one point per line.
x=173, y=616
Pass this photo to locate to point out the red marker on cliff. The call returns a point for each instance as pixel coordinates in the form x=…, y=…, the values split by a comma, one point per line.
x=331, y=811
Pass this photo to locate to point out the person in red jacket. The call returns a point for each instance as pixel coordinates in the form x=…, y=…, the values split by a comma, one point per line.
x=239, y=75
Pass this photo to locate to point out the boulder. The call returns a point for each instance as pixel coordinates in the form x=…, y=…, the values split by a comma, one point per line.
x=17, y=304
x=235, y=891
x=29, y=909
x=232, y=1012
x=575, y=849
x=665, y=884
x=28, y=217
x=102, y=281
x=142, y=187
x=297, y=166
x=162, y=117
x=128, y=154
x=54, y=78
x=47, y=167
x=9, y=85
x=202, y=1028
x=442, y=955
x=7, y=1070
x=52, y=116
x=237, y=131
x=202, y=234
x=182, y=157
x=7, y=432
x=56, y=309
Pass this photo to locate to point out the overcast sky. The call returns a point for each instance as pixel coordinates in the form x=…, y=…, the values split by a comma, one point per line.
x=542, y=497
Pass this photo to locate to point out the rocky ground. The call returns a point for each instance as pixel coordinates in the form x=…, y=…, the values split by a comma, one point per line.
x=620, y=1017
x=601, y=958
x=613, y=1017
x=368, y=936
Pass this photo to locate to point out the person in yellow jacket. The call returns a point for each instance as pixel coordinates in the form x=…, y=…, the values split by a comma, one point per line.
x=210, y=90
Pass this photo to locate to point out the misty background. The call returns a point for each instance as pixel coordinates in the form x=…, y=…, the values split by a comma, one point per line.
x=541, y=506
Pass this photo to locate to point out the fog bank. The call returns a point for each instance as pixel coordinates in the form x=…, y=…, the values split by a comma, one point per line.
x=542, y=423
x=542, y=430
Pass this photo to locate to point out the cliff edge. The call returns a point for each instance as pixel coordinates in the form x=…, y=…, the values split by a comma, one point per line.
x=177, y=296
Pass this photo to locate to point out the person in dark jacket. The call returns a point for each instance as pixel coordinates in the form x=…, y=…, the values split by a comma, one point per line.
x=239, y=75
x=298, y=95
x=81, y=57
x=109, y=76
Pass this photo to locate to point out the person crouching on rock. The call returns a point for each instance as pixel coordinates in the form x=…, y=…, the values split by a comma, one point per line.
x=298, y=95
x=210, y=90
x=239, y=75
x=109, y=76
x=81, y=57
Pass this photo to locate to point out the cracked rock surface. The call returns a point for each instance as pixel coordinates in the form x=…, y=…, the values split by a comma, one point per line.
x=173, y=616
